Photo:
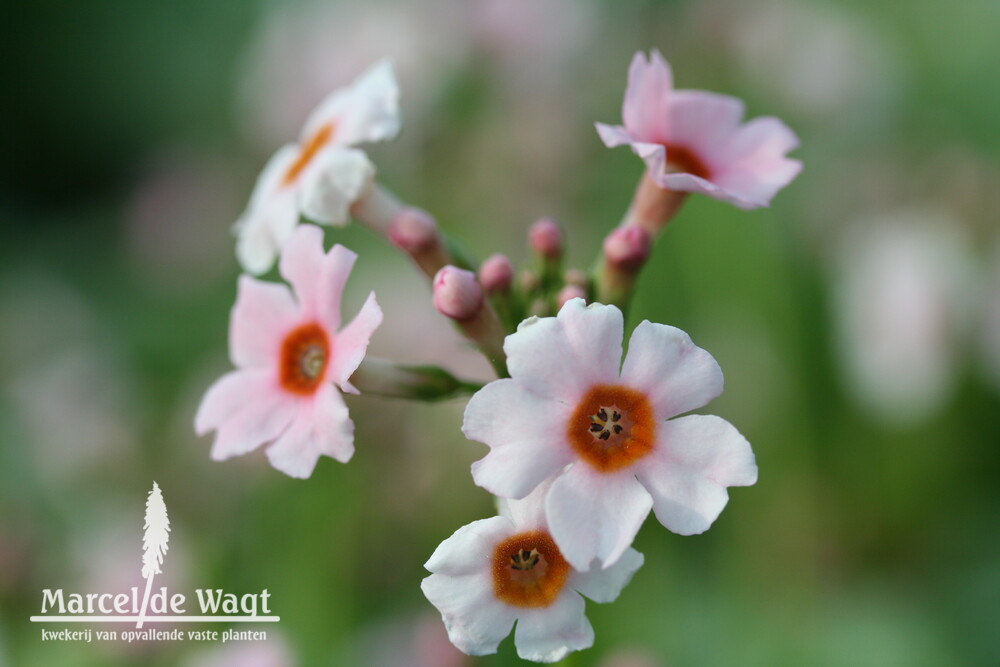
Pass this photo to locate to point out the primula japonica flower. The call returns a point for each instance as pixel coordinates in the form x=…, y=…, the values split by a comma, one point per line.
x=321, y=176
x=290, y=360
x=693, y=141
x=493, y=572
x=568, y=411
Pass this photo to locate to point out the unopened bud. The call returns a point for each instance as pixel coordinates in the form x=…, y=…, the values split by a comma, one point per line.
x=627, y=248
x=546, y=238
x=413, y=230
x=570, y=292
x=496, y=274
x=457, y=293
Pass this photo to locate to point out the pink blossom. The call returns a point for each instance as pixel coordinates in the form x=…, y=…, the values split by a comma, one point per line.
x=694, y=141
x=321, y=176
x=291, y=358
x=496, y=571
x=568, y=412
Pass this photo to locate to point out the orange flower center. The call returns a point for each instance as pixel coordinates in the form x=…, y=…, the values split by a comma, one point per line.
x=528, y=570
x=681, y=159
x=308, y=151
x=304, y=355
x=612, y=427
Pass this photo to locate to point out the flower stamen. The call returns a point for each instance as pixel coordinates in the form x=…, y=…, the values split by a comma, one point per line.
x=529, y=570
x=612, y=427
x=304, y=355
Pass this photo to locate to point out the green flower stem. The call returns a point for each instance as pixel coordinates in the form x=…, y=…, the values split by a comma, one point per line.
x=382, y=377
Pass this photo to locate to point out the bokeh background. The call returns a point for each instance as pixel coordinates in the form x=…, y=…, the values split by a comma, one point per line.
x=857, y=320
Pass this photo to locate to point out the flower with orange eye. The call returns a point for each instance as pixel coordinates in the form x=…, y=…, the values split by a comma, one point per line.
x=321, y=175
x=291, y=356
x=604, y=433
x=695, y=141
x=496, y=571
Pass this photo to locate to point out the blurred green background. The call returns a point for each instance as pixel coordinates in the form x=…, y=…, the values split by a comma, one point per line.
x=857, y=320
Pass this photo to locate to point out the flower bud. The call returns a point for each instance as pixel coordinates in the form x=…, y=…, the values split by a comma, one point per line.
x=569, y=292
x=457, y=293
x=496, y=274
x=627, y=248
x=413, y=230
x=546, y=238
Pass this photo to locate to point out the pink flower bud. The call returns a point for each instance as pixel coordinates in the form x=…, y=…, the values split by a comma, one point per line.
x=546, y=238
x=570, y=292
x=496, y=274
x=457, y=293
x=413, y=230
x=627, y=247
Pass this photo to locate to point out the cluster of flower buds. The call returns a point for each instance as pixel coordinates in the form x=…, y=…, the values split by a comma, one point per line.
x=583, y=444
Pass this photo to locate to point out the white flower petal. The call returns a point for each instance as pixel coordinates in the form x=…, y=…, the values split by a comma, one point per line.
x=475, y=620
x=696, y=458
x=548, y=634
x=366, y=110
x=674, y=373
x=562, y=357
x=470, y=548
x=529, y=512
x=595, y=515
x=332, y=182
x=270, y=216
x=526, y=435
x=605, y=585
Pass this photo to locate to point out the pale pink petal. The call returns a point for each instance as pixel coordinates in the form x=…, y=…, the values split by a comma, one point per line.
x=755, y=167
x=246, y=416
x=595, y=515
x=613, y=135
x=696, y=458
x=322, y=427
x=337, y=265
x=526, y=435
x=562, y=357
x=301, y=265
x=332, y=182
x=703, y=122
x=548, y=634
x=692, y=183
x=604, y=585
x=270, y=216
x=261, y=317
x=351, y=343
x=230, y=393
x=675, y=374
x=470, y=549
x=644, y=110
x=475, y=620
x=365, y=110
